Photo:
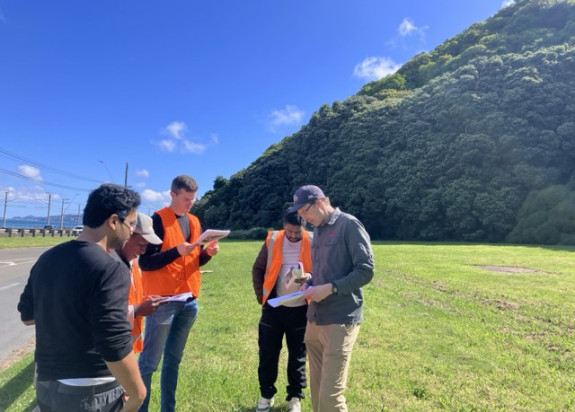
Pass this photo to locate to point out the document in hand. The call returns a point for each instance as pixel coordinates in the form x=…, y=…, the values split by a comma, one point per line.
x=292, y=297
x=211, y=235
x=182, y=297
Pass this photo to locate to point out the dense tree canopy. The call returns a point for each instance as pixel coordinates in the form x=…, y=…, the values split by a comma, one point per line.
x=473, y=141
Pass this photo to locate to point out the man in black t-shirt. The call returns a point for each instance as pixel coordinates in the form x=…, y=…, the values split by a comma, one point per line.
x=76, y=297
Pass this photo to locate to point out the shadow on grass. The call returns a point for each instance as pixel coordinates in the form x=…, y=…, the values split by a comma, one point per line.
x=16, y=386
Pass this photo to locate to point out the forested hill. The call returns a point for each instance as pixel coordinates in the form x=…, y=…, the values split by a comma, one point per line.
x=472, y=141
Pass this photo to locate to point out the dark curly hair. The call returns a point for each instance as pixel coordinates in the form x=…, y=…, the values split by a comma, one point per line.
x=109, y=199
x=293, y=218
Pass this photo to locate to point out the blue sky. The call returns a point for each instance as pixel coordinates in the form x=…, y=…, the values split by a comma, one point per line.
x=184, y=87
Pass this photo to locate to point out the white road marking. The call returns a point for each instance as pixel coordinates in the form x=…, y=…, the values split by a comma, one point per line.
x=8, y=263
x=15, y=262
x=9, y=286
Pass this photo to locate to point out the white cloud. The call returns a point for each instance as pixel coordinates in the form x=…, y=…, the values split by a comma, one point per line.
x=167, y=145
x=31, y=172
x=507, y=3
x=406, y=27
x=2, y=18
x=156, y=197
x=288, y=116
x=36, y=193
x=140, y=184
x=192, y=147
x=375, y=68
x=179, y=143
x=177, y=129
x=215, y=138
x=142, y=173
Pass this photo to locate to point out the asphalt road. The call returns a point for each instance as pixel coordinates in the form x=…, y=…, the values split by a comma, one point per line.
x=15, y=338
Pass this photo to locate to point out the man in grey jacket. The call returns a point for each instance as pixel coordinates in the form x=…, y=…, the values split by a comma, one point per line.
x=342, y=262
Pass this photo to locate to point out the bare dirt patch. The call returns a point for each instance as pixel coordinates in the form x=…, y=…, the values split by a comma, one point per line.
x=500, y=304
x=17, y=354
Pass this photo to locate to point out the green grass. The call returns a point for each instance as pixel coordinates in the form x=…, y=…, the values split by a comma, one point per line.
x=440, y=334
x=17, y=242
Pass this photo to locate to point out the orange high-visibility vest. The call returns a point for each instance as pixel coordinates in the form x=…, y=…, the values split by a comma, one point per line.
x=183, y=274
x=274, y=243
x=135, y=298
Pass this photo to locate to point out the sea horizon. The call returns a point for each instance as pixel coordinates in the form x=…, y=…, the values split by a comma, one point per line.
x=38, y=224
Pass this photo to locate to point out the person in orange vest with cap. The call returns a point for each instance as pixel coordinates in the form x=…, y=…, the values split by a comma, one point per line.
x=283, y=264
x=139, y=305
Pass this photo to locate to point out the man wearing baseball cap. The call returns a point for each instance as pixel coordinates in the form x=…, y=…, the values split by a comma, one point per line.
x=138, y=305
x=342, y=262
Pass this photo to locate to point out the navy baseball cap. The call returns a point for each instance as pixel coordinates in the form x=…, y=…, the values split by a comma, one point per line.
x=305, y=195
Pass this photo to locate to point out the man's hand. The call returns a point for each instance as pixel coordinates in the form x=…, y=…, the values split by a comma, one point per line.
x=132, y=404
x=317, y=293
x=213, y=248
x=186, y=248
x=128, y=375
x=303, y=278
x=148, y=306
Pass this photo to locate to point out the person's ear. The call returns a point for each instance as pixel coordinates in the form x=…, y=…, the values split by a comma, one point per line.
x=113, y=221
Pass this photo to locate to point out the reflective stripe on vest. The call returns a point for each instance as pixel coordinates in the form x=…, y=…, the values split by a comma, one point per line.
x=274, y=243
x=271, y=240
x=136, y=297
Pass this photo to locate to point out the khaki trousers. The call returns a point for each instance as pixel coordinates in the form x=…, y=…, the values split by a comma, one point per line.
x=329, y=350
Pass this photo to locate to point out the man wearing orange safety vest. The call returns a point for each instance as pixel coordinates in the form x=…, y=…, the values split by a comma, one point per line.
x=138, y=305
x=279, y=270
x=169, y=270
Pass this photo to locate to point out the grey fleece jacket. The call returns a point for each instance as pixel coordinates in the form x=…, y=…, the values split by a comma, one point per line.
x=342, y=255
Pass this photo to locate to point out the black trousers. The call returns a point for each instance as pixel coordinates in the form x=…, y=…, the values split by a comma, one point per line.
x=54, y=396
x=274, y=324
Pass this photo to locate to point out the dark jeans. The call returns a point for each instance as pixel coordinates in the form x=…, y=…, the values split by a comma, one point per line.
x=54, y=396
x=166, y=334
x=274, y=323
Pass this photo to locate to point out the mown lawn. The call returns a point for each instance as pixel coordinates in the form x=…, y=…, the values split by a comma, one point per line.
x=441, y=333
x=17, y=242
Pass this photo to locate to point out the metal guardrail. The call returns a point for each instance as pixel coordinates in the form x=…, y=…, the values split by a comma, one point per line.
x=15, y=232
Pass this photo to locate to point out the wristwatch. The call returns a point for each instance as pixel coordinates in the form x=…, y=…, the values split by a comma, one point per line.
x=333, y=289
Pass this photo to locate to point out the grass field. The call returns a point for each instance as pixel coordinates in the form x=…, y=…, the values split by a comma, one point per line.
x=16, y=242
x=441, y=333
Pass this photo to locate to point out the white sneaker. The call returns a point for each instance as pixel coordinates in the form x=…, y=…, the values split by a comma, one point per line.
x=265, y=404
x=294, y=405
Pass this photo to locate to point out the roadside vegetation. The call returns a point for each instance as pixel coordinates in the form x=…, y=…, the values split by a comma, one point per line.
x=448, y=327
x=17, y=242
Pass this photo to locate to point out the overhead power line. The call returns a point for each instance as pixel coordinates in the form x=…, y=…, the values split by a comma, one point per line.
x=6, y=153
x=18, y=175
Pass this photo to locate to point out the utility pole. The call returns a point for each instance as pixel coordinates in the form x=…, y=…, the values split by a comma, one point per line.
x=49, y=202
x=4, y=215
x=126, y=176
x=78, y=215
x=62, y=215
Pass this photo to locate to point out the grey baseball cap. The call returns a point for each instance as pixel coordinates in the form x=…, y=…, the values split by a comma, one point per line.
x=145, y=228
x=304, y=195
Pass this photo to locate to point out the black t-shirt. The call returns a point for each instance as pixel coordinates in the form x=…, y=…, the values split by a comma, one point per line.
x=77, y=295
